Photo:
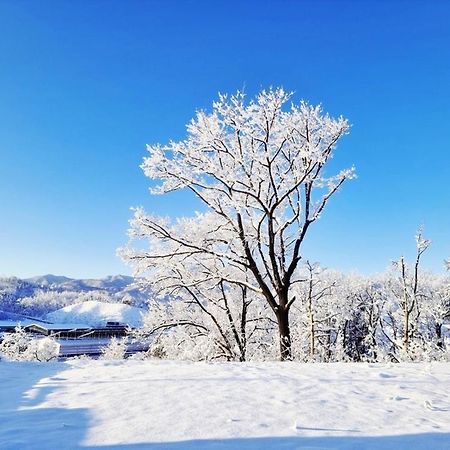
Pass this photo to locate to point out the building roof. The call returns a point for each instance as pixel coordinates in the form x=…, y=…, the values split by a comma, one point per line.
x=9, y=323
x=60, y=326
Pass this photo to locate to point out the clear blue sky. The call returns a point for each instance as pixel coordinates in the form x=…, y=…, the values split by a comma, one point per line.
x=84, y=85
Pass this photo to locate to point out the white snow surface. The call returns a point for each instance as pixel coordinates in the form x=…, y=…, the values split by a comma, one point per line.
x=170, y=405
x=94, y=313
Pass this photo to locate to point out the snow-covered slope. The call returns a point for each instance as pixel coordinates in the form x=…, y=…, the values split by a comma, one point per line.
x=95, y=313
x=150, y=405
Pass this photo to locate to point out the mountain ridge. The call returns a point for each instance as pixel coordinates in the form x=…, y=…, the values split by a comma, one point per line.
x=30, y=295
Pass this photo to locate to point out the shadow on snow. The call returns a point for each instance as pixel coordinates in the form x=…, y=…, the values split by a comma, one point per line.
x=26, y=425
x=425, y=441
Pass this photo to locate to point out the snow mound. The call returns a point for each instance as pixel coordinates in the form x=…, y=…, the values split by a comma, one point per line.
x=95, y=314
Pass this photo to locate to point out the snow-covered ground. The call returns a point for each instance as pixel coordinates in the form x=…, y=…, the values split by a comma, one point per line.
x=179, y=405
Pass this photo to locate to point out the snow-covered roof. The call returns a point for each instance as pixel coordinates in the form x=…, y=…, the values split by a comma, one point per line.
x=15, y=323
x=95, y=314
x=61, y=326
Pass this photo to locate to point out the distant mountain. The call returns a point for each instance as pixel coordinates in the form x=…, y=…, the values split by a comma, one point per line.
x=48, y=280
x=49, y=292
x=112, y=283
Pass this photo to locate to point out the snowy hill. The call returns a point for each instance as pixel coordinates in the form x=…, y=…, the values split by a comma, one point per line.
x=156, y=405
x=94, y=313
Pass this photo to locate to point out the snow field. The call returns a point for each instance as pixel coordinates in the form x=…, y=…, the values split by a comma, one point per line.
x=181, y=405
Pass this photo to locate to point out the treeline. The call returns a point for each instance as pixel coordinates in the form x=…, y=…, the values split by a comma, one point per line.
x=398, y=316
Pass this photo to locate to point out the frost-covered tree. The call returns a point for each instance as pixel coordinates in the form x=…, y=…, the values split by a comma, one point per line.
x=312, y=313
x=44, y=349
x=21, y=346
x=258, y=168
x=435, y=309
x=409, y=293
x=413, y=311
x=43, y=302
x=207, y=304
x=116, y=349
x=337, y=317
x=363, y=336
x=12, y=288
x=13, y=346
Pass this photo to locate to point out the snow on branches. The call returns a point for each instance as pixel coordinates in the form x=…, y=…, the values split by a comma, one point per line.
x=258, y=167
x=20, y=346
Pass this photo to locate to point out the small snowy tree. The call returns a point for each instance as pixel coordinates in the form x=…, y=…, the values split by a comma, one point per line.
x=312, y=311
x=20, y=346
x=116, y=349
x=44, y=349
x=409, y=297
x=364, y=334
x=15, y=345
x=435, y=310
x=258, y=168
x=411, y=293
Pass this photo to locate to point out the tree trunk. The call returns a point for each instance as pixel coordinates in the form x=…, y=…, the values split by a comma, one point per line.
x=312, y=331
x=438, y=328
x=406, y=337
x=285, y=334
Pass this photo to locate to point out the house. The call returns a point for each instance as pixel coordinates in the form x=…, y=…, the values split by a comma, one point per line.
x=78, y=331
x=78, y=338
x=9, y=325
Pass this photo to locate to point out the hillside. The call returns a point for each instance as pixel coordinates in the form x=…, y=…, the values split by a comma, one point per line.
x=137, y=405
x=43, y=294
x=112, y=283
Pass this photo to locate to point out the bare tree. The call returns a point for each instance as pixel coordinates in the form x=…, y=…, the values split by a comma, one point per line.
x=410, y=285
x=258, y=167
x=407, y=296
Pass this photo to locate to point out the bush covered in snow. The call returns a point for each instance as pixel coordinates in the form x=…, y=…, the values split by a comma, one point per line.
x=20, y=346
x=116, y=349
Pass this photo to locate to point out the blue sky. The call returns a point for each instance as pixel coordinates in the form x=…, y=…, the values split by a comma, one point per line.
x=85, y=85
